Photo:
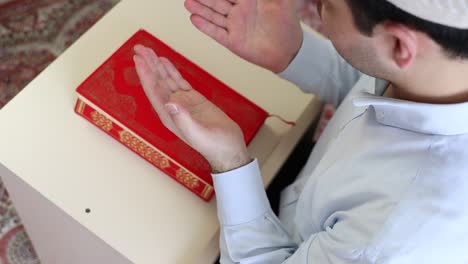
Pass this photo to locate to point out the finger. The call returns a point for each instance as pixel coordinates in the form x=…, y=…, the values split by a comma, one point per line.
x=221, y=6
x=152, y=60
x=175, y=75
x=171, y=69
x=171, y=84
x=151, y=80
x=153, y=88
x=188, y=129
x=155, y=62
x=146, y=55
x=215, y=32
x=196, y=8
x=144, y=72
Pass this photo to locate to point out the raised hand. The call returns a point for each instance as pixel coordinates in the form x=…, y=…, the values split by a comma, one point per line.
x=264, y=32
x=188, y=114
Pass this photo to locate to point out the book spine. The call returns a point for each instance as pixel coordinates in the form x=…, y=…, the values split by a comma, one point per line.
x=145, y=150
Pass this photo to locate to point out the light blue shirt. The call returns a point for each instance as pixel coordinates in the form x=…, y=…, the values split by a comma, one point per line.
x=386, y=183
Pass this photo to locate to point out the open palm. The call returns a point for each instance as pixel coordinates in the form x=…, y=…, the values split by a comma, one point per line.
x=264, y=32
x=188, y=114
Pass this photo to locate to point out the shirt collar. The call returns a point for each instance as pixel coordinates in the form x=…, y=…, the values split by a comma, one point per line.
x=438, y=119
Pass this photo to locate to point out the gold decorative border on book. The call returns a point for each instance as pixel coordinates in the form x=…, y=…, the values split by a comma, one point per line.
x=80, y=106
x=101, y=121
x=144, y=150
x=187, y=178
x=207, y=191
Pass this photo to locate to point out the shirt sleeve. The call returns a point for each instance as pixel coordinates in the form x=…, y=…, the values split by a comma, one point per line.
x=319, y=69
x=251, y=232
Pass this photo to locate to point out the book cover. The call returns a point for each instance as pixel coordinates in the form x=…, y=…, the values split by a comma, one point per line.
x=113, y=100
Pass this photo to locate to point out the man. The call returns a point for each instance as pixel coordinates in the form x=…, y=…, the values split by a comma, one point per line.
x=387, y=182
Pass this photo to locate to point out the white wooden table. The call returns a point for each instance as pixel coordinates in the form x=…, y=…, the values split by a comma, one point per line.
x=56, y=165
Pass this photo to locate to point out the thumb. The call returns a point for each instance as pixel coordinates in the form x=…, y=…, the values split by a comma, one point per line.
x=189, y=130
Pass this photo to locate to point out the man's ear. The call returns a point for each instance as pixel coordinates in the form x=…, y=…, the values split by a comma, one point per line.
x=405, y=44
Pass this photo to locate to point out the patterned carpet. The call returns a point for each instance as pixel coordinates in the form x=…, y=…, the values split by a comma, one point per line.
x=32, y=34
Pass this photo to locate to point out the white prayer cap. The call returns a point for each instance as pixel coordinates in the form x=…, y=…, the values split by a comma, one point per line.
x=452, y=13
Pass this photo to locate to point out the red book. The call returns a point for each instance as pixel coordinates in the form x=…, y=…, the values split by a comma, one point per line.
x=112, y=99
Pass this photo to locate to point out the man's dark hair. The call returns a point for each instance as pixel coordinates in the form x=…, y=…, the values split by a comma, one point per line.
x=369, y=13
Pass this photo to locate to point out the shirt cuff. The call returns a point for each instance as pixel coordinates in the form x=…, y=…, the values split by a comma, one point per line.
x=312, y=43
x=241, y=195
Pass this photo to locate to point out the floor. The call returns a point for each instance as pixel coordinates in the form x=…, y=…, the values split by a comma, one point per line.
x=33, y=33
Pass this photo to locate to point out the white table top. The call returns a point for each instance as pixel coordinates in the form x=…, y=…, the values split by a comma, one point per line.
x=135, y=208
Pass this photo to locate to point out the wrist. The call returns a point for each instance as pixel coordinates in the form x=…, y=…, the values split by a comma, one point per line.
x=234, y=162
x=289, y=57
